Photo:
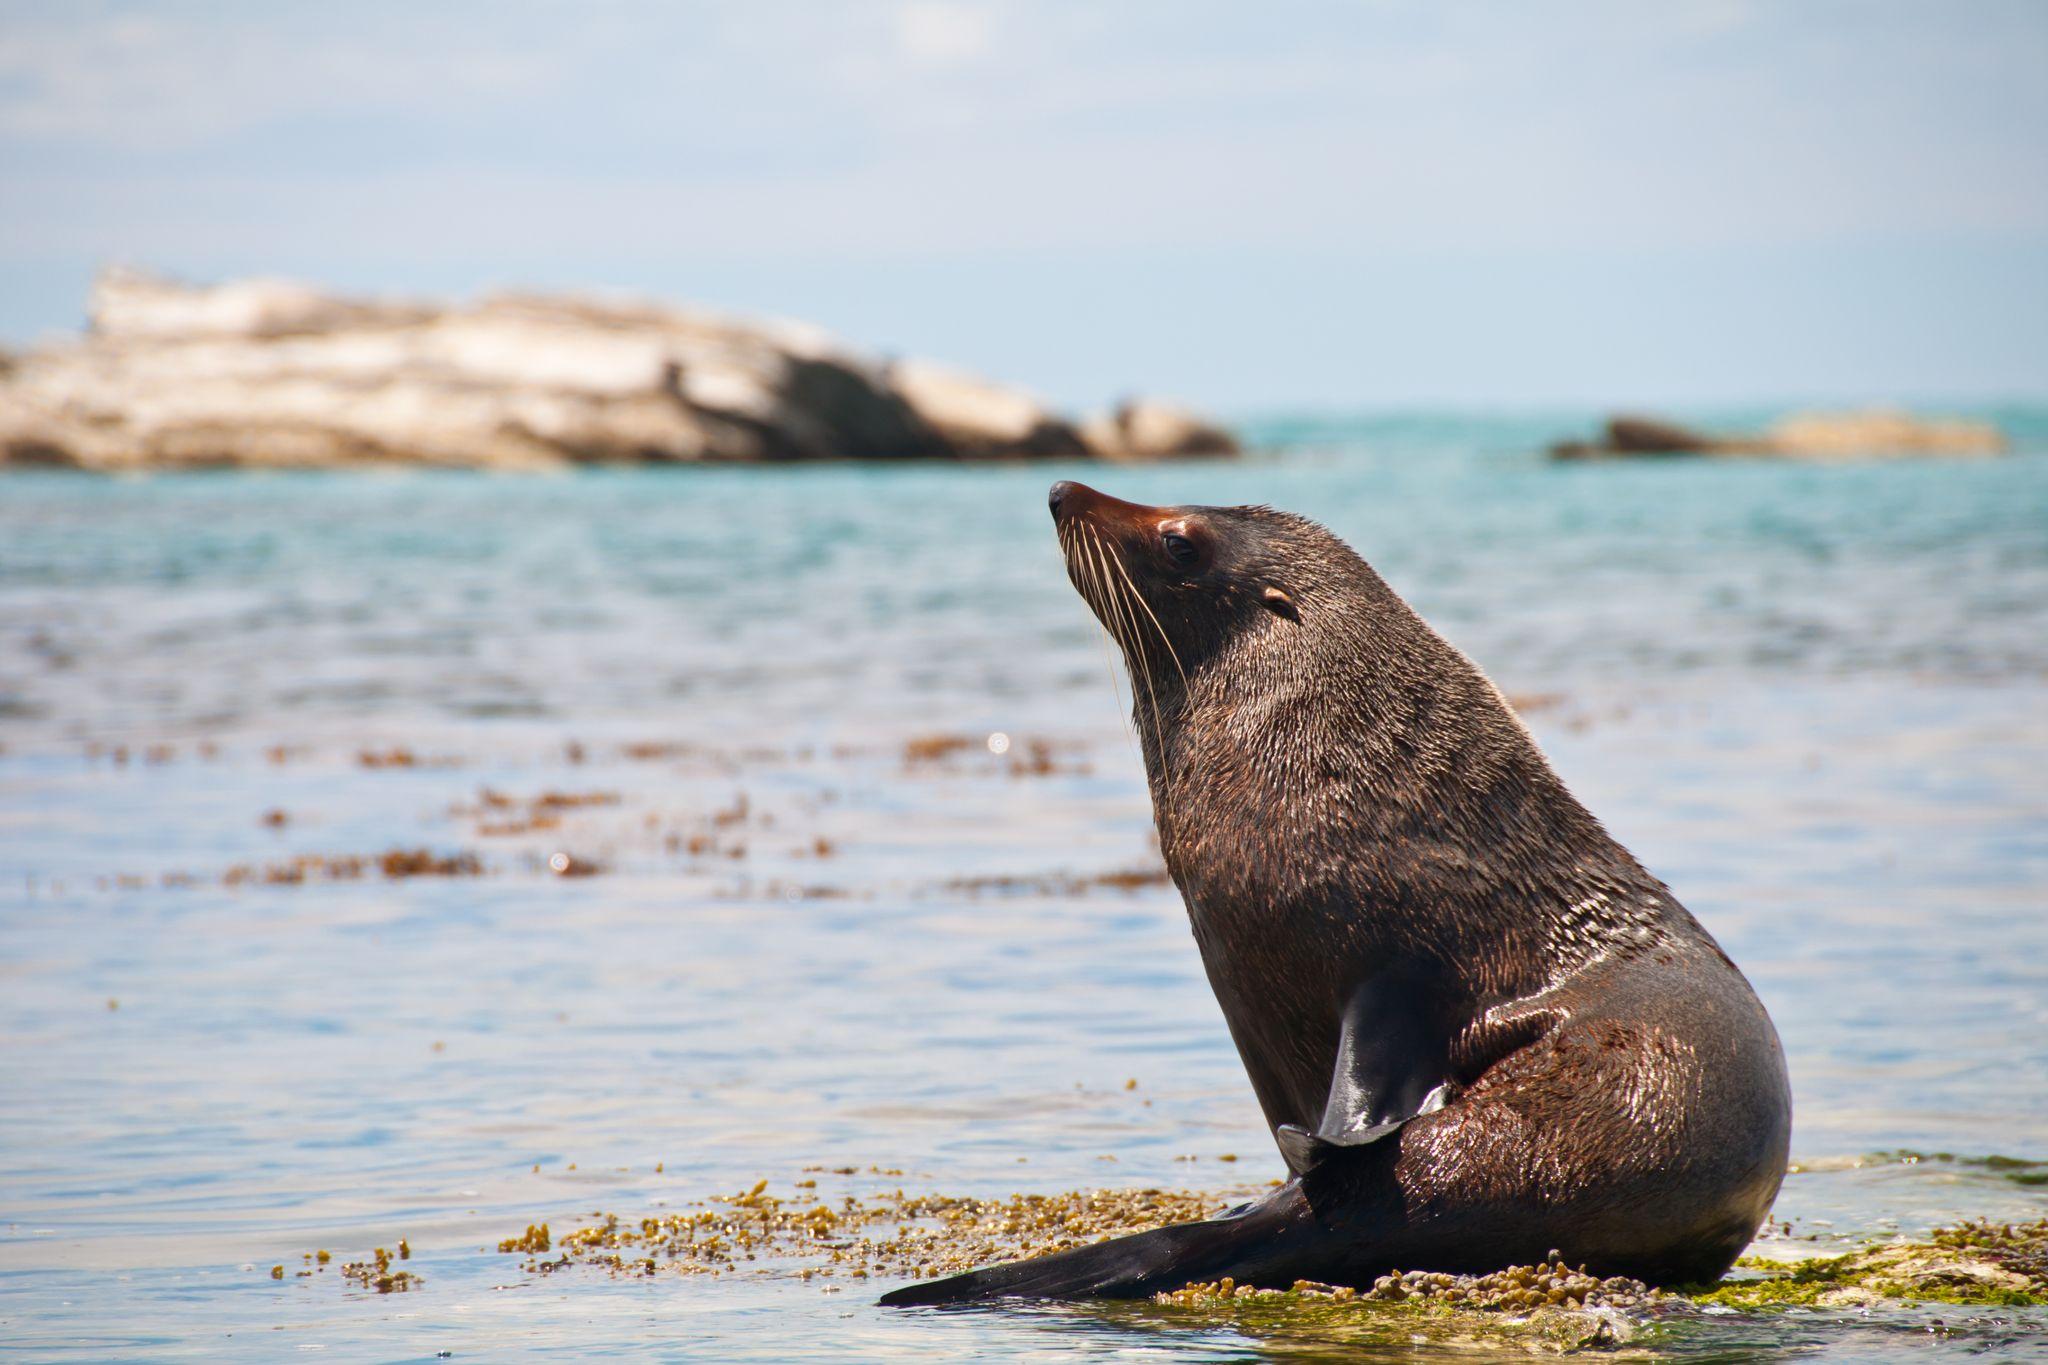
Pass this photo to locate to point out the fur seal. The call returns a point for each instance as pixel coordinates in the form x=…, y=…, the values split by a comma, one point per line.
x=1479, y=1029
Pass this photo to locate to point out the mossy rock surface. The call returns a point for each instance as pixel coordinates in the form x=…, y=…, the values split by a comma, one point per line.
x=1981, y=1263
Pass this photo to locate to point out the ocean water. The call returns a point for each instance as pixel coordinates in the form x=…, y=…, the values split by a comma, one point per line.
x=832, y=927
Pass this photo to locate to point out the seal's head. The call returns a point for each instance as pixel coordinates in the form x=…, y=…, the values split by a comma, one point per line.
x=1178, y=585
x=1257, y=638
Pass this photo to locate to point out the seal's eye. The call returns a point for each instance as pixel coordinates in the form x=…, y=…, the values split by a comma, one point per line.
x=1180, y=549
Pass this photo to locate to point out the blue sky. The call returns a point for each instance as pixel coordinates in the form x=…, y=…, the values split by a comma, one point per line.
x=1249, y=206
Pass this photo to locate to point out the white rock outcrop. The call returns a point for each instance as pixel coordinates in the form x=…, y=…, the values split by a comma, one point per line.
x=982, y=417
x=1148, y=429
x=1880, y=431
x=266, y=372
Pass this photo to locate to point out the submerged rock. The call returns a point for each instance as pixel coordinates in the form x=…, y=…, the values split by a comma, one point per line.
x=272, y=373
x=1878, y=432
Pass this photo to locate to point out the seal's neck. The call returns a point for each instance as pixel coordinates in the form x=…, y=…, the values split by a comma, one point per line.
x=1384, y=796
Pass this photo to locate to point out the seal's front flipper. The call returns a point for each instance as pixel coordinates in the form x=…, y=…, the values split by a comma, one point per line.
x=1393, y=1063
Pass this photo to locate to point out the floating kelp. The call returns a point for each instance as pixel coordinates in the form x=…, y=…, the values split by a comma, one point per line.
x=394, y=863
x=892, y=1234
x=421, y=862
x=400, y=756
x=1060, y=883
x=375, y=1273
x=1018, y=757
x=498, y=814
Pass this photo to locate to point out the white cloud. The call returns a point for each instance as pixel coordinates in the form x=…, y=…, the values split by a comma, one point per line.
x=956, y=125
x=941, y=33
x=147, y=83
x=1710, y=18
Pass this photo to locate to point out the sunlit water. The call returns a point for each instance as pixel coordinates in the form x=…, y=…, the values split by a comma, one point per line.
x=1810, y=698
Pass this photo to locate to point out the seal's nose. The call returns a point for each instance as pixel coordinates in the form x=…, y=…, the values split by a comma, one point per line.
x=1058, y=494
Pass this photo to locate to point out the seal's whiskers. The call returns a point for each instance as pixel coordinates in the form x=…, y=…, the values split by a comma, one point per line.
x=1139, y=597
x=1128, y=636
x=1080, y=574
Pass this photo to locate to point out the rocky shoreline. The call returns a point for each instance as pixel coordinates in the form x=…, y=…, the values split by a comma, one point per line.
x=267, y=373
x=1872, y=433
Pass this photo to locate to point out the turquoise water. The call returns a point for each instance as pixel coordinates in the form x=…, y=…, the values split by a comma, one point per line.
x=1812, y=699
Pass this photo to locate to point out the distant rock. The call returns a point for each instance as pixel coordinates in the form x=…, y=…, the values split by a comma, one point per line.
x=1146, y=429
x=272, y=373
x=134, y=304
x=1876, y=433
x=981, y=418
x=1880, y=431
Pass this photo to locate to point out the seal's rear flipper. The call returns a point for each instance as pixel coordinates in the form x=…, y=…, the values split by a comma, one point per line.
x=1251, y=1245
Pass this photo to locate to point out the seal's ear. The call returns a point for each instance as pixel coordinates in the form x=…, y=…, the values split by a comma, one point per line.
x=1280, y=604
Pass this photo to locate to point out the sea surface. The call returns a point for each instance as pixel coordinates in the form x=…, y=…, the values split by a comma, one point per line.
x=847, y=759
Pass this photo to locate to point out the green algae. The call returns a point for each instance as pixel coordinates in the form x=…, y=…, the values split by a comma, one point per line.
x=1310, y=1317
x=1549, y=1307
x=1984, y=1264
x=1552, y=1308
x=2017, y=1248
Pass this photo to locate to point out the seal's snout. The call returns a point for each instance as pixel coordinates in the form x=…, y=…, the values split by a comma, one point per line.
x=1068, y=499
x=1072, y=501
